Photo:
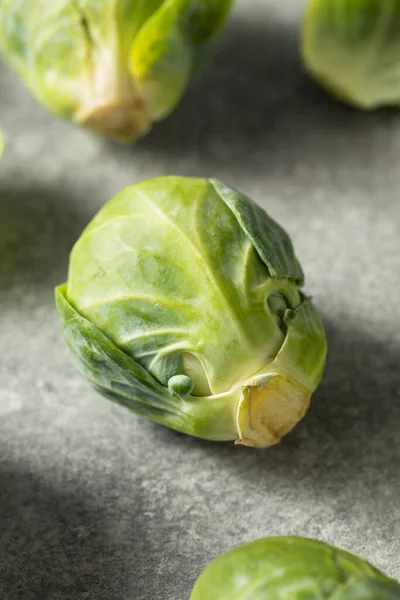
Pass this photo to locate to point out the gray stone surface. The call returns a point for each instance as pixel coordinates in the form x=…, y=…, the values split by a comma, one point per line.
x=97, y=505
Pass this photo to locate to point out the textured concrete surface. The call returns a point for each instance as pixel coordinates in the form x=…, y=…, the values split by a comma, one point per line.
x=97, y=505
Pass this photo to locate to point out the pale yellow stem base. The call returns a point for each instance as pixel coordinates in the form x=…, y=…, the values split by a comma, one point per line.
x=119, y=119
x=269, y=408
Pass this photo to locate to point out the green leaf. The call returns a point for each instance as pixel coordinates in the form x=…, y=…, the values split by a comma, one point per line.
x=119, y=378
x=167, y=47
x=161, y=60
x=303, y=353
x=113, y=373
x=270, y=240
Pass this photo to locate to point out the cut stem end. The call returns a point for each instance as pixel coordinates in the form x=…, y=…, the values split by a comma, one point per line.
x=269, y=408
x=120, y=120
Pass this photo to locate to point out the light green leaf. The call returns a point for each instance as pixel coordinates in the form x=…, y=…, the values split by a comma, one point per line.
x=303, y=353
x=270, y=240
x=352, y=47
x=119, y=378
x=161, y=59
x=165, y=49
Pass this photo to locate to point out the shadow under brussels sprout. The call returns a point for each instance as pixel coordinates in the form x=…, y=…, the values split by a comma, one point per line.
x=38, y=227
x=64, y=539
x=253, y=107
x=354, y=418
x=62, y=543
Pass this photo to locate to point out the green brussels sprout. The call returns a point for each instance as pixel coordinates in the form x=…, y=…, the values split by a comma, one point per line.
x=115, y=66
x=353, y=48
x=292, y=568
x=183, y=304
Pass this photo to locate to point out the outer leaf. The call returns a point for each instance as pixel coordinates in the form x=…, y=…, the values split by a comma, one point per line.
x=290, y=568
x=104, y=364
x=161, y=59
x=303, y=353
x=165, y=50
x=121, y=379
x=270, y=240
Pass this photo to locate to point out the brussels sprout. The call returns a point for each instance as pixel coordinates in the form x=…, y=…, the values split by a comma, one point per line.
x=292, y=568
x=112, y=65
x=353, y=48
x=183, y=304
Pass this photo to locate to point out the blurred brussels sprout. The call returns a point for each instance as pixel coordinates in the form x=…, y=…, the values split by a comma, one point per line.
x=112, y=65
x=183, y=304
x=292, y=568
x=353, y=48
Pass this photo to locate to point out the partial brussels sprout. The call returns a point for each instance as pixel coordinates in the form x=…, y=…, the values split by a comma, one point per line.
x=183, y=303
x=112, y=65
x=292, y=568
x=353, y=48
x=1, y=144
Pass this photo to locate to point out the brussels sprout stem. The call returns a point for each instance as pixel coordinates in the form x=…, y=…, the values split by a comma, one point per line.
x=258, y=413
x=270, y=406
x=112, y=105
x=117, y=118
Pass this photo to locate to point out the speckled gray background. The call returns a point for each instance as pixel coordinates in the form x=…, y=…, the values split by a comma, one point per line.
x=97, y=505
